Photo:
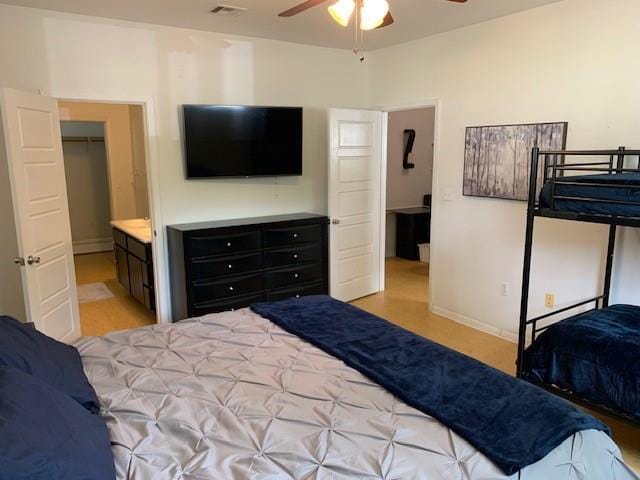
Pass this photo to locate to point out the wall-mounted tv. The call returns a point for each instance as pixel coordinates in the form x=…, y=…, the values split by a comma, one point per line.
x=242, y=141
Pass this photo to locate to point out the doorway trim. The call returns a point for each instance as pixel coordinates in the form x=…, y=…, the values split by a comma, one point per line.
x=160, y=264
x=397, y=107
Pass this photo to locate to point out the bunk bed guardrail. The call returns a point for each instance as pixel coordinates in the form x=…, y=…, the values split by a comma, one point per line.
x=555, y=169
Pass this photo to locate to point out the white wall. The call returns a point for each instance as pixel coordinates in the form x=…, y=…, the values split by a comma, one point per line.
x=407, y=187
x=69, y=56
x=574, y=61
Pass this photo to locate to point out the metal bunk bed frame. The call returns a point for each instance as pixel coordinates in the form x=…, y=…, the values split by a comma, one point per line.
x=554, y=168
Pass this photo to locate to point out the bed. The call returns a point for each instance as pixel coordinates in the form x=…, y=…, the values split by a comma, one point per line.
x=235, y=396
x=595, y=355
x=576, y=194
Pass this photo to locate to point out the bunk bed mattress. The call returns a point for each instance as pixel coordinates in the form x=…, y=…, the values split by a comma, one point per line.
x=233, y=396
x=619, y=187
x=595, y=355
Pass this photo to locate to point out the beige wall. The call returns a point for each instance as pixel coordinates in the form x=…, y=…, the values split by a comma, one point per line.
x=140, y=189
x=406, y=187
x=568, y=61
x=85, y=168
x=119, y=146
x=72, y=56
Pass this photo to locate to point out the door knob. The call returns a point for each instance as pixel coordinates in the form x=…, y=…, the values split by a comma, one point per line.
x=335, y=221
x=31, y=260
x=19, y=261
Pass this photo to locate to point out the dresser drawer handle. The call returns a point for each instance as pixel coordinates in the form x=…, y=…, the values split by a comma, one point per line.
x=231, y=289
x=228, y=244
x=295, y=235
x=295, y=256
x=230, y=266
x=295, y=275
x=297, y=295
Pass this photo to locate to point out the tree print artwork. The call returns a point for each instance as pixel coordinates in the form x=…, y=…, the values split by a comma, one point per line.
x=497, y=160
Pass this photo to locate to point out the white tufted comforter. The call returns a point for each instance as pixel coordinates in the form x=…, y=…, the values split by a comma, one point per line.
x=233, y=396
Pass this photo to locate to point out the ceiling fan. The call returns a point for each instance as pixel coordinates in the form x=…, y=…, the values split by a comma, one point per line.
x=370, y=14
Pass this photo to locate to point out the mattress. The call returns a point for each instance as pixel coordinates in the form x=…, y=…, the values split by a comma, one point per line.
x=596, y=355
x=609, y=187
x=233, y=396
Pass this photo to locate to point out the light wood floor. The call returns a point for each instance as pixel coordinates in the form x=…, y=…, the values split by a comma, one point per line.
x=405, y=302
x=118, y=313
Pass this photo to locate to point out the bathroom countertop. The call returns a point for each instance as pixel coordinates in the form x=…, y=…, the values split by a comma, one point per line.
x=138, y=228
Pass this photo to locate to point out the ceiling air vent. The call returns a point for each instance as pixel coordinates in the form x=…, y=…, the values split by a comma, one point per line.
x=228, y=11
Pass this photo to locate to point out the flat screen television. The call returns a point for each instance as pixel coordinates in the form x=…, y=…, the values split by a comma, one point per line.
x=242, y=141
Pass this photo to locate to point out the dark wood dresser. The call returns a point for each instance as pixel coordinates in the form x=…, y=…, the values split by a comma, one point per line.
x=230, y=264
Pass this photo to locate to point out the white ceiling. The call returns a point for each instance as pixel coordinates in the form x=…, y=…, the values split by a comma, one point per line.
x=414, y=18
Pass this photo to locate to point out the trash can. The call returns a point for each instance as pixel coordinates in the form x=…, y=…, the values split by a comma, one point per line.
x=423, y=249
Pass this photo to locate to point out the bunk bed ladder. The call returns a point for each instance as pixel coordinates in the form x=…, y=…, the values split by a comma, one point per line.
x=526, y=271
x=609, y=268
x=612, y=238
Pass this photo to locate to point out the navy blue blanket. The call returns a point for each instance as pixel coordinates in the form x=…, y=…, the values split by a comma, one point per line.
x=512, y=422
x=609, y=187
x=595, y=354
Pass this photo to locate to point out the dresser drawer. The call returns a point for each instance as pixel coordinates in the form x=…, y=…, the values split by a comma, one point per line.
x=221, y=266
x=227, y=287
x=276, y=237
x=292, y=255
x=234, y=303
x=220, y=244
x=293, y=276
x=298, y=291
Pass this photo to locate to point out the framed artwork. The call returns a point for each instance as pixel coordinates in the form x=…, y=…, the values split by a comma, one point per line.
x=497, y=159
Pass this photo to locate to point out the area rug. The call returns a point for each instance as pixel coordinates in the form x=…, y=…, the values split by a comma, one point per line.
x=93, y=292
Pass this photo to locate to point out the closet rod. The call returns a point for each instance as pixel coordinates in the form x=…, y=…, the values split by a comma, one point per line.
x=83, y=139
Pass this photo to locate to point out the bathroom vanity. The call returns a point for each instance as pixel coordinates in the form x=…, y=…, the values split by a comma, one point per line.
x=134, y=259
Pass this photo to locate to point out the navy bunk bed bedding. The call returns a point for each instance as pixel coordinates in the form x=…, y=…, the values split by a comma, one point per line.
x=618, y=187
x=595, y=355
x=512, y=422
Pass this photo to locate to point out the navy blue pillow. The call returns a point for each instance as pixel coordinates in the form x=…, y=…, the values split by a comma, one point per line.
x=53, y=362
x=45, y=435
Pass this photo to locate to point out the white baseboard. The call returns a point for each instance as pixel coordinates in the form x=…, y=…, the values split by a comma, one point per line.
x=475, y=324
x=92, y=245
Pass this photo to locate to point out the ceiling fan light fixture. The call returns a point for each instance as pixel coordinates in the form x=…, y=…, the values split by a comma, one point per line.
x=372, y=13
x=342, y=10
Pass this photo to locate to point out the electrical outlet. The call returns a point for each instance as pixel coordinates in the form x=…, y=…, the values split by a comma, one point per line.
x=447, y=195
x=504, y=289
x=549, y=300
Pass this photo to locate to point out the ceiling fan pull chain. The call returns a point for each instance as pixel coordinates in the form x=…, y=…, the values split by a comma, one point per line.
x=359, y=34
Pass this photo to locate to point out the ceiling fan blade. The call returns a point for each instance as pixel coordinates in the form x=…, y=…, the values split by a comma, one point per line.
x=388, y=20
x=301, y=8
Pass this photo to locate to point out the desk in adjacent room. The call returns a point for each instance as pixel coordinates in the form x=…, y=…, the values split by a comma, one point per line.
x=413, y=226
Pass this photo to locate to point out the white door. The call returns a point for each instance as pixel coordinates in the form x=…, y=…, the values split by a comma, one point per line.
x=36, y=169
x=355, y=157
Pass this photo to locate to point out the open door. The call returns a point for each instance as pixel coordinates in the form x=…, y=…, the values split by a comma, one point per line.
x=31, y=130
x=355, y=157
